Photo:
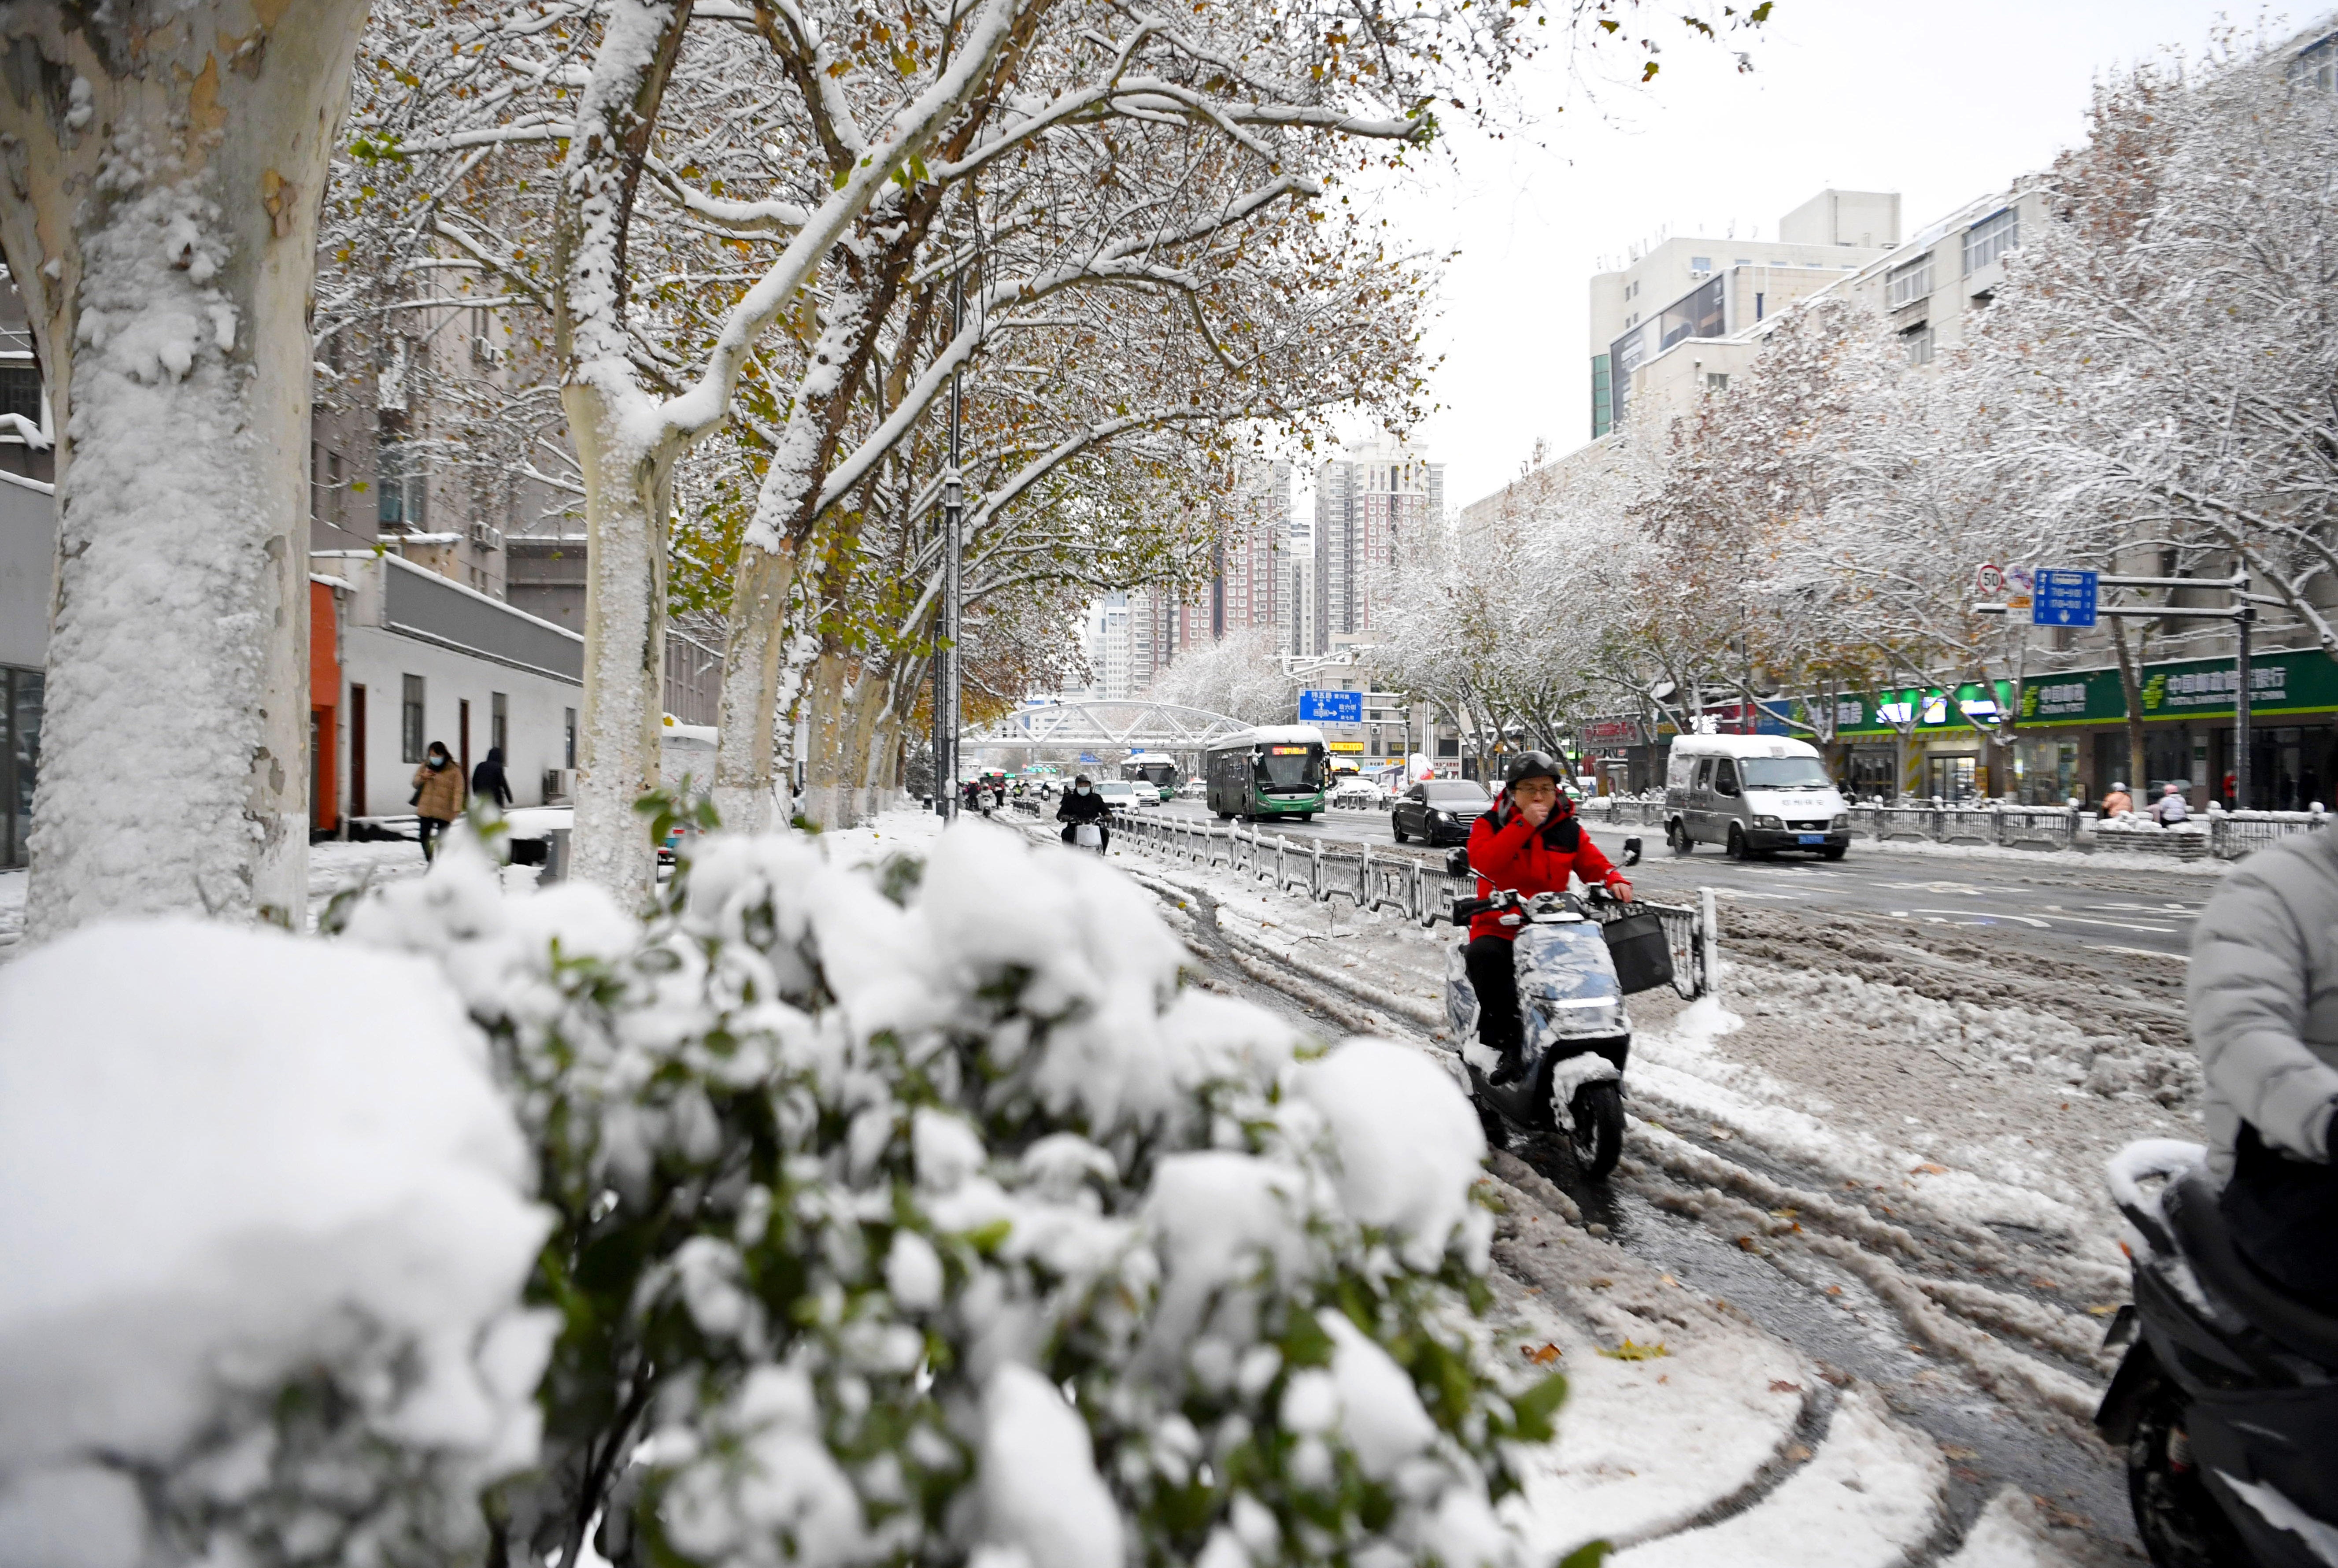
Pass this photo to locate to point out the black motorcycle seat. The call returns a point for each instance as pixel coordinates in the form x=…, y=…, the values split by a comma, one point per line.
x=2206, y=1243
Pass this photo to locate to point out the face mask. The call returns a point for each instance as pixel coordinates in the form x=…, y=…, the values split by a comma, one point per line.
x=1083, y=789
x=438, y=761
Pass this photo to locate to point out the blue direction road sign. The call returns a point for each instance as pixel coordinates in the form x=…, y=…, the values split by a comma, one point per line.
x=1331, y=707
x=2063, y=599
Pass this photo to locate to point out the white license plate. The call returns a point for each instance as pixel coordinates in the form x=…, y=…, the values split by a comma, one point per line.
x=1811, y=838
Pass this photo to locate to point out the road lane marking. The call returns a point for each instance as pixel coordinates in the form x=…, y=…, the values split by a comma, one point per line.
x=2139, y=952
x=1988, y=914
x=2117, y=924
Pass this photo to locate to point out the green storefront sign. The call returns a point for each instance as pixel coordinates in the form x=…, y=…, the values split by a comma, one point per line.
x=2279, y=684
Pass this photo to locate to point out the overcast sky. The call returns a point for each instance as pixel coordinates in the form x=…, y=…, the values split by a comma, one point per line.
x=1938, y=102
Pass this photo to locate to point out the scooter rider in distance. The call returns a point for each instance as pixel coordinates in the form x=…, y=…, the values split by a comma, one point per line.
x=1530, y=843
x=1081, y=804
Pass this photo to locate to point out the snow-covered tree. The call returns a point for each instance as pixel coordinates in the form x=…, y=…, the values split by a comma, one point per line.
x=733, y=169
x=2162, y=354
x=1239, y=675
x=159, y=217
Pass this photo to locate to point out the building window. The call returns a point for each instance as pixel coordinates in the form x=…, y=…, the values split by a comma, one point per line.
x=2315, y=66
x=498, y=722
x=1700, y=264
x=1757, y=307
x=1918, y=341
x=1991, y=238
x=569, y=721
x=1700, y=313
x=1603, y=409
x=1912, y=282
x=412, y=741
x=20, y=756
x=401, y=500
x=1717, y=381
x=20, y=391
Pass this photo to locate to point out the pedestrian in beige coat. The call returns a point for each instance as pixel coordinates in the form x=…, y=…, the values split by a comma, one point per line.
x=437, y=796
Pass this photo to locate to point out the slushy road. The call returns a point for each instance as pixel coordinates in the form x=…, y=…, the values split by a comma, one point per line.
x=2099, y=914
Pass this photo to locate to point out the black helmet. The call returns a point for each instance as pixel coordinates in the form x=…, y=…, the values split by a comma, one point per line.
x=1532, y=765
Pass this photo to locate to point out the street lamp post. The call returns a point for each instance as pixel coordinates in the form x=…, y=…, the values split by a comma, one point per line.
x=947, y=669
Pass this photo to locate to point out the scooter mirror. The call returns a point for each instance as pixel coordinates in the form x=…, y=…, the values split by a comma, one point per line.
x=1631, y=851
x=1457, y=863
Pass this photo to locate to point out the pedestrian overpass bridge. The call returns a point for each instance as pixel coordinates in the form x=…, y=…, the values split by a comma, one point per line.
x=1135, y=724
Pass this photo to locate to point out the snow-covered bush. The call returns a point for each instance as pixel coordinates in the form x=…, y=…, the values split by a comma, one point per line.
x=265, y=1229
x=919, y=1214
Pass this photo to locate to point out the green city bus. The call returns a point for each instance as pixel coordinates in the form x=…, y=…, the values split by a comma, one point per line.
x=1274, y=771
x=1157, y=769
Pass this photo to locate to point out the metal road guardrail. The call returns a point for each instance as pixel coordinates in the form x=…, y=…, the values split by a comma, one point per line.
x=1399, y=884
x=2216, y=832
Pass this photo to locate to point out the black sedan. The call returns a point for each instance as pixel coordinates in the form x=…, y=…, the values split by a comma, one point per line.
x=1439, y=811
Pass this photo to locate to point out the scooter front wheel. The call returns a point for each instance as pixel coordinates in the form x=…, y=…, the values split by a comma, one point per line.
x=1489, y=1122
x=1597, y=1139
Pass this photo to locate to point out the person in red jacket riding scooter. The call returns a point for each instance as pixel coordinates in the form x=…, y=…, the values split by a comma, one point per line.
x=1528, y=843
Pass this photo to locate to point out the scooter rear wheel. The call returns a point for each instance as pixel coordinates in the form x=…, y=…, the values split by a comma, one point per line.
x=2175, y=1515
x=1597, y=1139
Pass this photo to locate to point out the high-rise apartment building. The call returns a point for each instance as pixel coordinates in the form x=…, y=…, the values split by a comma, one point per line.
x=1653, y=322
x=1250, y=586
x=1367, y=503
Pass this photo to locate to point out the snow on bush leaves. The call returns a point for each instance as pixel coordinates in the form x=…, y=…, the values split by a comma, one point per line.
x=266, y=1228
x=920, y=1215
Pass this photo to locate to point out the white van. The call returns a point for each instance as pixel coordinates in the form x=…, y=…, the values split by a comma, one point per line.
x=1756, y=795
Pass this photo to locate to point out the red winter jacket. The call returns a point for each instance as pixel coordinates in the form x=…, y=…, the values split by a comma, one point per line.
x=1513, y=854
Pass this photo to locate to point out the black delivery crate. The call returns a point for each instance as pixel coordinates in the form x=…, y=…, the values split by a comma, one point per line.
x=1642, y=955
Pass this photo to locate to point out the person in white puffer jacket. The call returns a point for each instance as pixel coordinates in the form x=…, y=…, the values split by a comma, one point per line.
x=2263, y=995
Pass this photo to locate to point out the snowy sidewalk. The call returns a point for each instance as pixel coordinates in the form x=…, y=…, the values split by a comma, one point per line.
x=333, y=867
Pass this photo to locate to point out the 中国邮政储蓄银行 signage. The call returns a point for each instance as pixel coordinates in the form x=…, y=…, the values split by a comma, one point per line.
x=2305, y=681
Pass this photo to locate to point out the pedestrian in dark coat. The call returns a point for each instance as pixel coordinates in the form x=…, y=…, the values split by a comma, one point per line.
x=488, y=778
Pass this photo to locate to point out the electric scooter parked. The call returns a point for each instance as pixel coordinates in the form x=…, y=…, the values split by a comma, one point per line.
x=1576, y=1037
x=2226, y=1402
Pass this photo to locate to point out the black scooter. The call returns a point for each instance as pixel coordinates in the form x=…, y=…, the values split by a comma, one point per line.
x=1576, y=1035
x=2226, y=1402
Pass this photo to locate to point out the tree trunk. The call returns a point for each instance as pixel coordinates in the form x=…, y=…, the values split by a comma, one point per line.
x=159, y=214
x=628, y=474
x=625, y=508
x=868, y=711
x=827, y=771
x=746, y=749
x=2131, y=692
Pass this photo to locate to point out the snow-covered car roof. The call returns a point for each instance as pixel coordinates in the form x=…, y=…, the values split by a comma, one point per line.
x=1742, y=746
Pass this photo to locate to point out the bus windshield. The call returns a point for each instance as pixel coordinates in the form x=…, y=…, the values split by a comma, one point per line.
x=1783, y=773
x=1296, y=768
